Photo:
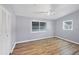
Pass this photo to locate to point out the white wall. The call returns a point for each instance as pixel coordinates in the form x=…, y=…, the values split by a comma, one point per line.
x=24, y=29
x=13, y=24
x=71, y=35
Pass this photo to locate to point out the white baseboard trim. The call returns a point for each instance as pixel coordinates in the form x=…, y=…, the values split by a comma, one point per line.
x=13, y=47
x=48, y=37
x=67, y=40
x=33, y=39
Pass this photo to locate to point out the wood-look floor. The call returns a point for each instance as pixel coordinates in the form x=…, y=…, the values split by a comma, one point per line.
x=50, y=46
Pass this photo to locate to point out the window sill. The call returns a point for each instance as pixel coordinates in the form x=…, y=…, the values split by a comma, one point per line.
x=38, y=31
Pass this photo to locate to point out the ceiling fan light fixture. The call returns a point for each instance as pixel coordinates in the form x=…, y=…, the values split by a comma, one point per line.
x=48, y=13
x=51, y=13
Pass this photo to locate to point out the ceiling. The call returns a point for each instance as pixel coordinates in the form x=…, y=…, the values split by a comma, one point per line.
x=35, y=10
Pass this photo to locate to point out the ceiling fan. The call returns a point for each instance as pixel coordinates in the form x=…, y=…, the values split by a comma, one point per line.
x=50, y=12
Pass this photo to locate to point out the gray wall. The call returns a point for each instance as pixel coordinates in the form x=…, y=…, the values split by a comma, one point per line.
x=71, y=35
x=24, y=29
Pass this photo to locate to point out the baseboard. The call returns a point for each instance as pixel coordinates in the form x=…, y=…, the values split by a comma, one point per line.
x=67, y=40
x=43, y=38
x=33, y=39
x=48, y=37
x=13, y=48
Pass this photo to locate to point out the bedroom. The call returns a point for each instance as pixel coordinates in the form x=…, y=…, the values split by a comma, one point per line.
x=39, y=29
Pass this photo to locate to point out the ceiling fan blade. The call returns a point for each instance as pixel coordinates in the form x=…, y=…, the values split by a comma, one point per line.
x=40, y=12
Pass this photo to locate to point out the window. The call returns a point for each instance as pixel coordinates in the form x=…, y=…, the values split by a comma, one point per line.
x=42, y=25
x=68, y=25
x=38, y=26
x=35, y=26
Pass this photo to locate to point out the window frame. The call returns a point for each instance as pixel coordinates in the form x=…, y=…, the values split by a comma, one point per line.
x=64, y=25
x=39, y=26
